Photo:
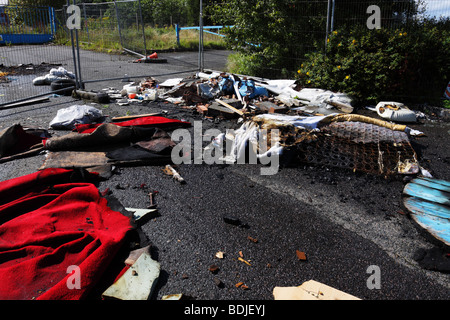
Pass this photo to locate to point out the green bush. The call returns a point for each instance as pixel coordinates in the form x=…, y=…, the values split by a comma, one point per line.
x=373, y=65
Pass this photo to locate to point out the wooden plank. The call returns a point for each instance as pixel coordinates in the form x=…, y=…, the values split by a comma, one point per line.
x=71, y=159
x=428, y=200
x=433, y=183
x=433, y=217
x=239, y=112
x=424, y=207
x=426, y=193
x=216, y=109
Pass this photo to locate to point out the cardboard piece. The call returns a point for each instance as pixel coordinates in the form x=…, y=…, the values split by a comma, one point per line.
x=311, y=290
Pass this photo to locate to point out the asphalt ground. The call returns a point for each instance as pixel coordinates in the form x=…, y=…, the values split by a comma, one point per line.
x=344, y=222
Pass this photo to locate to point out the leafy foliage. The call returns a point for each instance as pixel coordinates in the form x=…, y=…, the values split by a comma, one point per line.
x=383, y=64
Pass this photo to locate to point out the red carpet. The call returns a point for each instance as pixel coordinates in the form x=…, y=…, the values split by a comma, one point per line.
x=48, y=223
x=151, y=121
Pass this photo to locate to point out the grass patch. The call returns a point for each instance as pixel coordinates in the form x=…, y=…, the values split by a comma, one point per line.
x=156, y=38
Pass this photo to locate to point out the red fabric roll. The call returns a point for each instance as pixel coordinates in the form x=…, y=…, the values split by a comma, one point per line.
x=47, y=225
x=151, y=121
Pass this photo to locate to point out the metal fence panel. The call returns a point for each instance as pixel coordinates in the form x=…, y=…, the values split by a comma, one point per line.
x=116, y=29
x=29, y=50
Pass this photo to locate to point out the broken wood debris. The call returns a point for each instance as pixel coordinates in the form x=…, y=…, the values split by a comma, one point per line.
x=301, y=255
x=169, y=170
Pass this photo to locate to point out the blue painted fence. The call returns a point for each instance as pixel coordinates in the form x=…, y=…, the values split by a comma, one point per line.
x=27, y=25
x=206, y=29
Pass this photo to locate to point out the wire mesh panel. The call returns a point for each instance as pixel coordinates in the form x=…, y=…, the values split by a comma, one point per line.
x=115, y=37
x=29, y=50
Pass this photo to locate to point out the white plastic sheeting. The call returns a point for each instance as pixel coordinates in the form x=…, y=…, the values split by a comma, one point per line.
x=67, y=118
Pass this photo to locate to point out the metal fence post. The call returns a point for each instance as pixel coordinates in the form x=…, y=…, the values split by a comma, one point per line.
x=118, y=23
x=81, y=84
x=143, y=28
x=332, y=15
x=177, y=32
x=328, y=22
x=200, y=42
x=77, y=77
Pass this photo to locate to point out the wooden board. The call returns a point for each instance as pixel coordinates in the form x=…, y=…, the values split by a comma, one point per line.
x=74, y=159
x=239, y=112
x=428, y=200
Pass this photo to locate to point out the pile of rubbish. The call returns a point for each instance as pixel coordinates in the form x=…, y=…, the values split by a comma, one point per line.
x=303, y=125
x=317, y=125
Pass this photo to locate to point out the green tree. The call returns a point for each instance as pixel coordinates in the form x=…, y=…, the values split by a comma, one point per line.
x=276, y=34
x=50, y=3
x=193, y=12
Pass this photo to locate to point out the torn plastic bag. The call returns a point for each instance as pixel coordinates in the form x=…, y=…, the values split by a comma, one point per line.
x=325, y=100
x=226, y=85
x=67, y=118
x=62, y=73
x=250, y=90
x=279, y=86
x=208, y=90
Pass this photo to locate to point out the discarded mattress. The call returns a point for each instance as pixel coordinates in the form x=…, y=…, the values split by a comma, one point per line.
x=428, y=200
x=68, y=236
x=348, y=141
